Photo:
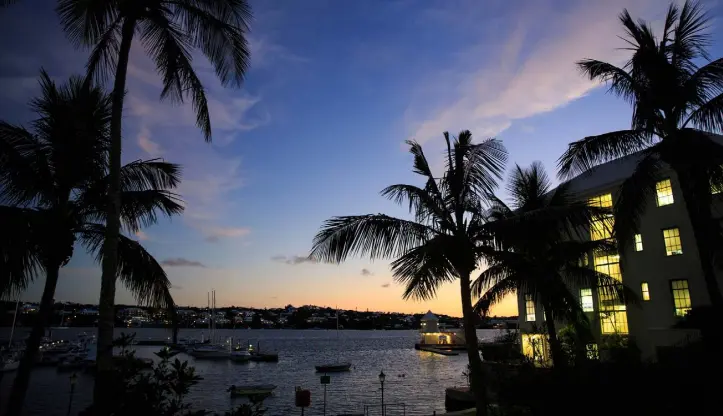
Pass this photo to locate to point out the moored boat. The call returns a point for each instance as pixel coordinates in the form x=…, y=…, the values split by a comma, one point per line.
x=251, y=390
x=239, y=356
x=333, y=368
x=211, y=352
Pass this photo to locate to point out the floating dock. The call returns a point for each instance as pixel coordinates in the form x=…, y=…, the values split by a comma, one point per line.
x=436, y=350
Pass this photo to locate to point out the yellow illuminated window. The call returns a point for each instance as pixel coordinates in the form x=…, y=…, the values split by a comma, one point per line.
x=638, y=242
x=609, y=265
x=586, y=300
x=614, y=322
x=534, y=347
x=601, y=201
x=665, y=192
x=645, y=290
x=681, y=296
x=529, y=308
x=673, y=245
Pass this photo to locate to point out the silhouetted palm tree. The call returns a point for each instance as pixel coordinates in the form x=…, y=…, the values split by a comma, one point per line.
x=441, y=243
x=53, y=184
x=169, y=31
x=676, y=104
x=540, y=249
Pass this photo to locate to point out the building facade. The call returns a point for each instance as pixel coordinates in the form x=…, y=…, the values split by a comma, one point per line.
x=661, y=265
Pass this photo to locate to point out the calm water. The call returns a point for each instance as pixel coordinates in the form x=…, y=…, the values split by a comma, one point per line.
x=421, y=389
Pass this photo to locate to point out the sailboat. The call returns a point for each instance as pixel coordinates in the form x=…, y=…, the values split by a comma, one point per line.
x=11, y=363
x=211, y=350
x=336, y=367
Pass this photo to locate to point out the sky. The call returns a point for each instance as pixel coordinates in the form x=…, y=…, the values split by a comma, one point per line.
x=318, y=129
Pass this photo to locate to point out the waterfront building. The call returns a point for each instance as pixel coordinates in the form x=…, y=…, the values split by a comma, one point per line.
x=661, y=265
x=432, y=334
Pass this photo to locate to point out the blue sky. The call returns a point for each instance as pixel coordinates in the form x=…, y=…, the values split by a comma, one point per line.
x=318, y=128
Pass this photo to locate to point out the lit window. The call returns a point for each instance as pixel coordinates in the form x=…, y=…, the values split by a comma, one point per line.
x=535, y=347
x=586, y=300
x=601, y=228
x=613, y=315
x=645, y=290
x=601, y=201
x=609, y=265
x=681, y=296
x=529, y=308
x=665, y=192
x=638, y=242
x=672, y=242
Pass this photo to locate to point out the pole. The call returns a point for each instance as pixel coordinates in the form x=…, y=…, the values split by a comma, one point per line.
x=383, y=410
x=324, y=399
x=15, y=317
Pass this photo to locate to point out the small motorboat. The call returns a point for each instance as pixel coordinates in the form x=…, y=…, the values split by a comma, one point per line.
x=8, y=365
x=333, y=368
x=239, y=356
x=268, y=357
x=251, y=390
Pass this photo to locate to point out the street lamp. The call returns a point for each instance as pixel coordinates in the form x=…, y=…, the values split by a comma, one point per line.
x=382, y=377
x=73, y=380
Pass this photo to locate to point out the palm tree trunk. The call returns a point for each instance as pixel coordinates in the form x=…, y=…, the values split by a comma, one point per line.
x=32, y=345
x=477, y=384
x=106, y=309
x=703, y=224
x=558, y=358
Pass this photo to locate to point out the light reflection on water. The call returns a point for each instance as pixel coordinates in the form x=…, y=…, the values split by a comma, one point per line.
x=415, y=378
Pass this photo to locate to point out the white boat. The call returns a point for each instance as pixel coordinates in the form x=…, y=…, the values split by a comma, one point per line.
x=8, y=365
x=251, y=390
x=210, y=352
x=239, y=356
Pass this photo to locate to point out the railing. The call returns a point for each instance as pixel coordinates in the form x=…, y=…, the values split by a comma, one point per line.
x=391, y=409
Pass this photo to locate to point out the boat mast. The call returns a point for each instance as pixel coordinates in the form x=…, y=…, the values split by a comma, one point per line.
x=15, y=317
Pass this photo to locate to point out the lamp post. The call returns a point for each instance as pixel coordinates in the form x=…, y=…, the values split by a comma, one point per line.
x=73, y=380
x=382, y=377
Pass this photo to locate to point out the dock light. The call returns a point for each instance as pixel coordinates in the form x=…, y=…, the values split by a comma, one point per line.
x=382, y=377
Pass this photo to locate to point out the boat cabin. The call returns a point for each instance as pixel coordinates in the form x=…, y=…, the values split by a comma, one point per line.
x=432, y=334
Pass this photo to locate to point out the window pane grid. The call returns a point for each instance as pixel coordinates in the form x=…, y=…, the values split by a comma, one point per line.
x=673, y=246
x=665, y=192
x=681, y=296
x=638, y=242
x=586, y=300
x=529, y=308
x=601, y=201
x=609, y=265
x=645, y=290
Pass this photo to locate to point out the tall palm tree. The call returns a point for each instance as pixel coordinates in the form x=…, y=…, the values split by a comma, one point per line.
x=441, y=243
x=53, y=185
x=540, y=247
x=677, y=104
x=169, y=30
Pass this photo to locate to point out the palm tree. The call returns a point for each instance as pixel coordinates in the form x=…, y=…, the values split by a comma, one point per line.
x=540, y=248
x=677, y=104
x=168, y=30
x=441, y=243
x=53, y=185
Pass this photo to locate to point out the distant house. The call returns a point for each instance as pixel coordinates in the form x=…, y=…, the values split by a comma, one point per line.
x=88, y=311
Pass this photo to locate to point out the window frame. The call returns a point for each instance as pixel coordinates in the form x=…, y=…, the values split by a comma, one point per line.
x=645, y=291
x=638, y=242
x=528, y=300
x=591, y=298
x=672, y=253
x=665, y=196
x=673, y=297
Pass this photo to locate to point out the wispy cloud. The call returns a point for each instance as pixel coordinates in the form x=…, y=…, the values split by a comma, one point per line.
x=181, y=262
x=145, y=142
x=366, y=272
x=142, y=236
x=215, y=234
x=492, y=90
x=265, y=52
x=293, y=260
x=386, y=285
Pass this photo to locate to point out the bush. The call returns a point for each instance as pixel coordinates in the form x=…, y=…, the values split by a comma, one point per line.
x=159, y=389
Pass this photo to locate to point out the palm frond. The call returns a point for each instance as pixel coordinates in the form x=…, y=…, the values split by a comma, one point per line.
x=691, y=37
x=218, y=29
x=169, y=46
x=84, y=22
x=421, y=167
x=20, y=253
x=424, y=268
x=24, y=175
x=580, y=276
x=421, y=203
x=633, y=197
x=584, y=154
x=668, y=28
x=374, y=235
x=709, y=116
x=483, y=163
x=104, y=55
x=139, y=272
x=705, y=83
x=494, y=295
x=618, y=80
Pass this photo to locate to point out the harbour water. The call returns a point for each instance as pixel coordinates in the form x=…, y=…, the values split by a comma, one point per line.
x=414, y=378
